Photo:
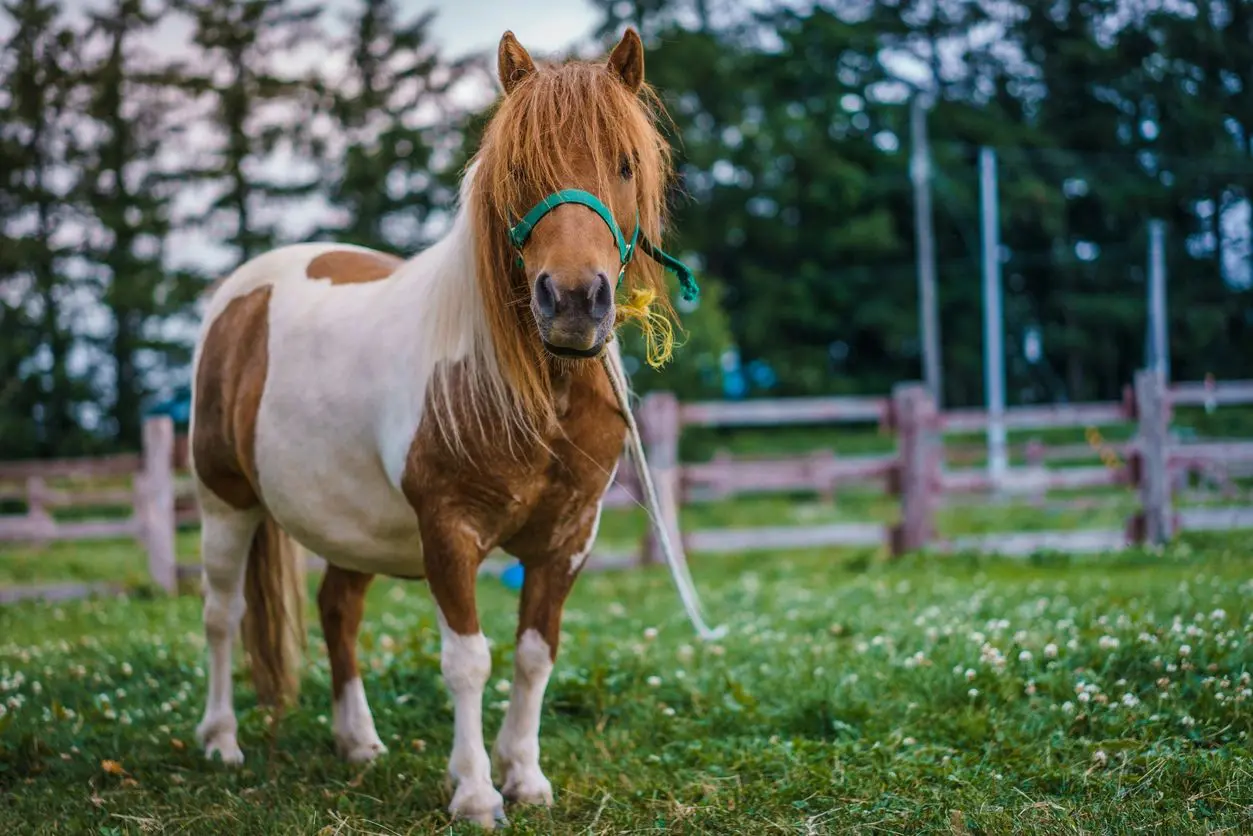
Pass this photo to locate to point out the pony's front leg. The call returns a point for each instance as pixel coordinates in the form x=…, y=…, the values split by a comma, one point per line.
x=452, y=562
x=516, y=752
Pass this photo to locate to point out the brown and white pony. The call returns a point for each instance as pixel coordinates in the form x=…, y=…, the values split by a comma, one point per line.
x=404, y=418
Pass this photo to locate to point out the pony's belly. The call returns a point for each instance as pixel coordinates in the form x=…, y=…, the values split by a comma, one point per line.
x=363, y=543
x=342, y=509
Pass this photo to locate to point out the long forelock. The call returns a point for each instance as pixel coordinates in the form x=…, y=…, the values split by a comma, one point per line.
x=537, y=142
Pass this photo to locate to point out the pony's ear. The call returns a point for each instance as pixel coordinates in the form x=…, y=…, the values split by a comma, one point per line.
x=627, y=60
x=513, y=62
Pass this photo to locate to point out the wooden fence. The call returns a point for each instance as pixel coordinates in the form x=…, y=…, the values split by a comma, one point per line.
x=148, y=484
x=1149, y=465
x=141, y=483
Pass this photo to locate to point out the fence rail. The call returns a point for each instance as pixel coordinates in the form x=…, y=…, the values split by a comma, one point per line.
x=149, y=485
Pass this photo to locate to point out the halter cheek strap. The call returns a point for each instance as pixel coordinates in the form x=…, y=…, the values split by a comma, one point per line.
x=521, y=231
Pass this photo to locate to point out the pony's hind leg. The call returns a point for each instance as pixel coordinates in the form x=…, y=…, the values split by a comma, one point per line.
x=225, y=540
x=341, y=605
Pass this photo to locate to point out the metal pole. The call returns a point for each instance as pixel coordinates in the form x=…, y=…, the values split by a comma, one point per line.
x=993, y=319
x=1159, y=361
x=924, y=234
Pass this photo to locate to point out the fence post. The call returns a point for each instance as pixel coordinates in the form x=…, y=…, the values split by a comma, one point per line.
x=154, y=501
x=1156, y=524
x=37, y=501
x=914, y=416
x=660, y=427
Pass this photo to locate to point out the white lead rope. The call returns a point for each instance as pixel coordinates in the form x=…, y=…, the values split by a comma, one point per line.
x=674, y=557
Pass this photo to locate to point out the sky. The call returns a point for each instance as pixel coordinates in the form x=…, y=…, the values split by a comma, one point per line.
x=474, y=25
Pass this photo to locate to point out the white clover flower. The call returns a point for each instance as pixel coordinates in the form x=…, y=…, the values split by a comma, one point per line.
x=972, y=693
x=1185, y=650
x=654, y=682
x=1108, y=643
x=1130, y=700
x=1068, y=707
x=1025, y=656
x=650, y=633
x=1050, y=651
x=502, y=686
x=1100, y=758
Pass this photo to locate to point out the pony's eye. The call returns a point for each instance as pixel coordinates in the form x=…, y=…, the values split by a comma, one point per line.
x=624, y=167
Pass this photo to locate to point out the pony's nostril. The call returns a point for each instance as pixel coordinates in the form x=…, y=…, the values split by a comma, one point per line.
x=602, y=296
x=546, y=295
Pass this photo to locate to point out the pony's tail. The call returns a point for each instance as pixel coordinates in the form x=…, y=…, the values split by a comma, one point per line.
x=273, y=629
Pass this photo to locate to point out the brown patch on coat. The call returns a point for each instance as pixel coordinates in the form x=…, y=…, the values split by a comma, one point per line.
x=538, y=503
x=233, y=363
x=352, y=266
x=341, y=606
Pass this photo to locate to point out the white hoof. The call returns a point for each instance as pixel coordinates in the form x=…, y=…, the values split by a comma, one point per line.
x=528, y=786
x=480, y=804
x=226, y=749
x=217, y=735
x=359, y=751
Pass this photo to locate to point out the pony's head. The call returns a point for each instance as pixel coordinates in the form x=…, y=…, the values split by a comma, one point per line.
x=571, y=166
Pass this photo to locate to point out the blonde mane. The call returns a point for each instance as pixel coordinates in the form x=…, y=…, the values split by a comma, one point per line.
x=556, y=125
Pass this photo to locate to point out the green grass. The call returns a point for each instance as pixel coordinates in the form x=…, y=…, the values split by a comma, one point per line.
x=121, y=561
x=955, y=695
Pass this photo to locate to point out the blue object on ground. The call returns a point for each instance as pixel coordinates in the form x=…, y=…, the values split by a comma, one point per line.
x=512, y=577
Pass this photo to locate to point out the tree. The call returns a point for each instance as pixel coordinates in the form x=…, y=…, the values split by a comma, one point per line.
x=126, y=193
x=395, y=133
x=42, y=396
x=259, y=113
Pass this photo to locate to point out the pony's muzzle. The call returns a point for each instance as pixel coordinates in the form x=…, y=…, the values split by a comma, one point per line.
x=574, y=317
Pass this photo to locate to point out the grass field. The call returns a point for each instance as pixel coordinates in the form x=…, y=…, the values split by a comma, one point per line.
x=954, y=695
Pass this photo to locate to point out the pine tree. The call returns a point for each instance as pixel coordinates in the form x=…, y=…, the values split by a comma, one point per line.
x=258, y=112
x=125, y=191
x=395, y=133
x=41, y=393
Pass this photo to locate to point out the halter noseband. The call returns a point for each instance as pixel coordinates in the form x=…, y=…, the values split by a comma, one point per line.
x=519, y=233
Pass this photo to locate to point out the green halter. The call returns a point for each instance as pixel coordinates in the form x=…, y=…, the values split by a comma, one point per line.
x=626, y=250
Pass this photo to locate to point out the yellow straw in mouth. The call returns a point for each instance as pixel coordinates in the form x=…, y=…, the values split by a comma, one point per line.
x=656, y=327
